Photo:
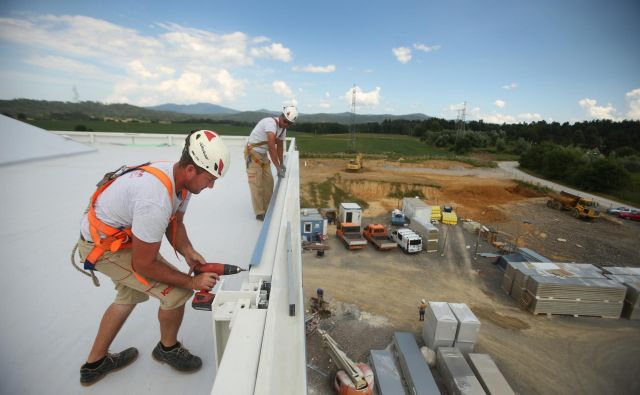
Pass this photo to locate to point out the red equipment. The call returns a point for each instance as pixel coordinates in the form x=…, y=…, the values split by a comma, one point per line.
x=203, y=299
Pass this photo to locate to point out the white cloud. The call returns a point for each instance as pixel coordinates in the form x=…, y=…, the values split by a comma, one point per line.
x=365, y=99
x=315, y=69
x=368, y=71
x=500, y=103
x=510, y=86
x=281, y=88
x=403, y=54
x=633, y=102
x=276, y=51
x=425, y=48
x=505, y=118
x=595, y=111
x=66, y=64
x=176, y=63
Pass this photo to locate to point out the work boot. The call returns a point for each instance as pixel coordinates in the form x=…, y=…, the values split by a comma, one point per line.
x=260, y=217
x=179, y=358
x=112, y=362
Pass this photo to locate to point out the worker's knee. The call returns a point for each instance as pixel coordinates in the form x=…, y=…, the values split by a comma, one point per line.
x=171, y=297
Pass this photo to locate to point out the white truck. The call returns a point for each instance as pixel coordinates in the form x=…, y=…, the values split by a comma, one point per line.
x=408, y=240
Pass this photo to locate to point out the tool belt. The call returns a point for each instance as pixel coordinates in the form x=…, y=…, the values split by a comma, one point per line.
x=251, y=156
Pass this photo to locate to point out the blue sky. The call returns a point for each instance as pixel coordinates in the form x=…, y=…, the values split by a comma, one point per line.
x=510, y=61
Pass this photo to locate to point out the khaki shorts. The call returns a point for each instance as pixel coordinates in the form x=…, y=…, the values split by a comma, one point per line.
x=117, y=265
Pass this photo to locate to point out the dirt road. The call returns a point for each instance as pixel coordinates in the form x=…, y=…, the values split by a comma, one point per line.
x=376, y=293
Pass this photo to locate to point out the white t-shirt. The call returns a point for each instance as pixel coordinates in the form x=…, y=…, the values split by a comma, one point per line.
x=138, y=200
x=259, y=133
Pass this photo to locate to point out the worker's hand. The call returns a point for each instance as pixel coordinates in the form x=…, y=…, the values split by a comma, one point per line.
x=193, y=257
x=204, y=281
x=281, y=172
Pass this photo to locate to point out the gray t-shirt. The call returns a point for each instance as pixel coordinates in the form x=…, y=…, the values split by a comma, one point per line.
x=138, y=200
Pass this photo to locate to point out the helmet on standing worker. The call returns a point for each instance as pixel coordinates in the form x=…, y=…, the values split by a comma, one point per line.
x=290, y=113
x=208, y=151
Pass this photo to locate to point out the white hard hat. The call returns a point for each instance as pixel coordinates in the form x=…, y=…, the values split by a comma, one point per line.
x=209, y=152
x=424, y=301
x=290, y=114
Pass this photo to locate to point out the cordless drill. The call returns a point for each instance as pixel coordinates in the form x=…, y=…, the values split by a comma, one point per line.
x=203, y=299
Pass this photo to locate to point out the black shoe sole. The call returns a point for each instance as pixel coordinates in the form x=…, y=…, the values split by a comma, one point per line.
x=173, y=367
x=89, y=383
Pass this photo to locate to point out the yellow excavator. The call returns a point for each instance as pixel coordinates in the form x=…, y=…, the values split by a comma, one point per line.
x=356, y=164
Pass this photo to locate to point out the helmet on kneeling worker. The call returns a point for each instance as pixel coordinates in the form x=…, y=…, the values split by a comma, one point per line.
x=208, y=151
x=290, y=113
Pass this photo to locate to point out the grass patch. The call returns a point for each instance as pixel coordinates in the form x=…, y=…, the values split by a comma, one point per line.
x=321, y=194
x=538, y=188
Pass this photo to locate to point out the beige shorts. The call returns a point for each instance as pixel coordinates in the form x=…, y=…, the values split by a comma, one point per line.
x=117, y=265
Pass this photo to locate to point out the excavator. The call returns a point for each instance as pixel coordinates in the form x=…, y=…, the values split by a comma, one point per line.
x=352, y=378
x=356, y=164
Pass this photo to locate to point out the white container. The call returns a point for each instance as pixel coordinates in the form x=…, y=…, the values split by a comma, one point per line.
x=440, y=325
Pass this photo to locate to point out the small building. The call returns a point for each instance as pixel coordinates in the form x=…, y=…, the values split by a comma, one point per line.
x=313, y=227
x=350, y=213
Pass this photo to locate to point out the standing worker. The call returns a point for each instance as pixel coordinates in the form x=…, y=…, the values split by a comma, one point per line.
x=120, y=237
x=421, y=308
x=268, y=136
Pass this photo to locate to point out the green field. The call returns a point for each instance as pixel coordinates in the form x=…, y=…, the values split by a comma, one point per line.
x=390, y=146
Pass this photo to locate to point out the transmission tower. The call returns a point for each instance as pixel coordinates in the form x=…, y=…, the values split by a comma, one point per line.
x=461, y=121
x=352, y=126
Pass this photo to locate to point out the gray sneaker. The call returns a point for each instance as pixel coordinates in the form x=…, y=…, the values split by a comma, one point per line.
x=110, y=364
x=179, y=358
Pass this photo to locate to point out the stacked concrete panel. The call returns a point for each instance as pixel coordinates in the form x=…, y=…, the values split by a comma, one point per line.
x=432, y=237
x=488, y=374
x=387, y=375
x=575, y=296
x=440, y=326
x=631, y=308
x=414, y=368
x=456, y=373
x=468, y=327
x=509, y=275
x=630, y=271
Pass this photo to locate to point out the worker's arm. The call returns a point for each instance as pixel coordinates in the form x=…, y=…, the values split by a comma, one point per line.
x=182, y=242
x=144, y=261
x=273, y=150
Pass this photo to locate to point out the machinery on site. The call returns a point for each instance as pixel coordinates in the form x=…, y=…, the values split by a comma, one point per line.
x=378, y=235
x=356, y=164
x=580, y=207
x=352, y=378
x=408, y=240
x=203, y=299
x=349, y=227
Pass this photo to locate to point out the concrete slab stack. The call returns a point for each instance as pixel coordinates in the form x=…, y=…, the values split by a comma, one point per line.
x=575, y=296
x=468, y=327
x=440, y=326
x=630, y=271
x=458, y=376
x=631, y=308
x=488, y=374
x=387, y=375
x=414, y=368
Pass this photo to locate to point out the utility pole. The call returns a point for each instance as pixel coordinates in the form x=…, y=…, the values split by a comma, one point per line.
x=461, y=120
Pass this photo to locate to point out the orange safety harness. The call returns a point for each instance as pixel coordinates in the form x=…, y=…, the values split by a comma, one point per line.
x=118, y=238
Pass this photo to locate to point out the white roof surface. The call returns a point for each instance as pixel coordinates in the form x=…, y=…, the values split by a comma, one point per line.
x=21, y=142
x=50, y=312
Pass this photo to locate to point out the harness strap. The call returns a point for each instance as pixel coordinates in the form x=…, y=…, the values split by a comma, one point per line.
x=118, y=238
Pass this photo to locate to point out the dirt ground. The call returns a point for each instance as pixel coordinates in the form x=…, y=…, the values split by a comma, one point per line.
x=372, y=293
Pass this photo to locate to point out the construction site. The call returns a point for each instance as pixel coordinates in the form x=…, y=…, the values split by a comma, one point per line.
x=371, y=294
x=518, y=296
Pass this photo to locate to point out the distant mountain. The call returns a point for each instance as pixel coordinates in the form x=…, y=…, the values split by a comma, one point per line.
x=42, y=109
x=198, y=108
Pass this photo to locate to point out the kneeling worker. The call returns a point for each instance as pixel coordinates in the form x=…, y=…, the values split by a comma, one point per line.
x=267, y=136
x=121, y=234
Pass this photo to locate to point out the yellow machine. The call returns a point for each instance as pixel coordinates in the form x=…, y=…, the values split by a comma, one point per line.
x=355, y=164
x=580, y=207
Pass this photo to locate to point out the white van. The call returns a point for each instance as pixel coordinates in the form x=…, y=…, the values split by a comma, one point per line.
x=408, y=240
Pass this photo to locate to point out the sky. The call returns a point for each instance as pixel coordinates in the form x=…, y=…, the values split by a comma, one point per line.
x=500, y=60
